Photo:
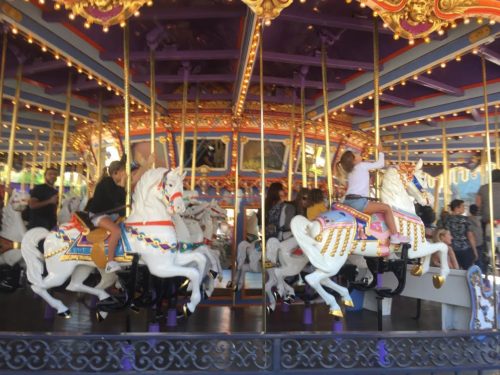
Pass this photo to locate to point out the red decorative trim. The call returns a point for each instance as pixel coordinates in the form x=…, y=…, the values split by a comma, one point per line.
x=166, y=223
x=175, y=195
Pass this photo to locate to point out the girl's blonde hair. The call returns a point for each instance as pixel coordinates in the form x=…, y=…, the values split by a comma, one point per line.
x=438, y=233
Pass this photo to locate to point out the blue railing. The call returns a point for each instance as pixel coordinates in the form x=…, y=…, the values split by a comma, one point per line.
x=297, y=353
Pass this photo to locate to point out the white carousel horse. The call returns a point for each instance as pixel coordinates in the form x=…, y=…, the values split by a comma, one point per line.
x=13, y=228
x=70, y=205
x=148, y=231
x=328, y=240
x=209, y=220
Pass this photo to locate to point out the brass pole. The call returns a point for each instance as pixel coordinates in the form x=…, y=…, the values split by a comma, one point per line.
x=2, y=72
x=183, y=118
x=262, y=179
x=236, y=211
x=65, y=143
x=328, y=160
x=407, y=153
x=126, y=83
x=446, y=172
x=12, y=138
x=292, y=153
x=399, y=145
x=100, y=164
x=497, y=141
x=491, y=217
x=48, y=163
x=194, y=153
x=376, y=99
x=437, y=186
x=303, y=134
x=152, y=94
x=33, y=161
x=315, y=181
x=23, y=182
x=44, y=162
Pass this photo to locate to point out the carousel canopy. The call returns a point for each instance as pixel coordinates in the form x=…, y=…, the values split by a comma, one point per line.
x=430, y=75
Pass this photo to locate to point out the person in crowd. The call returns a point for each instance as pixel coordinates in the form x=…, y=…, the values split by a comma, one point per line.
x=463, y=241
x=428, y=216
x=444, y=235
x=273, y=207
x=108, y=203
x=358, y=187
x=477, y=229
x=443, y=216
x=317, y=206
x=291, y=209
x=302, y=201
x=483, y=202
x=43, y=202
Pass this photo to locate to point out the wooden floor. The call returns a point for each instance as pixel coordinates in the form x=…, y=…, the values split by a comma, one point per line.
x=22, y=311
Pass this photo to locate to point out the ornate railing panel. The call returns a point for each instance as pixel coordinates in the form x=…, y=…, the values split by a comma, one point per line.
x=285, y=353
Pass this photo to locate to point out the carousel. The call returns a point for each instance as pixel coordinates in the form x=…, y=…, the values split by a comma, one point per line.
x=223, y=104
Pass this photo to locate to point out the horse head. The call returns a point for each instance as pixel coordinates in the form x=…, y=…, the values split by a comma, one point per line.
x=418, y=186
x=72, y=203
x=216, y=211
x=195, y=208
x=173, y=189
x=19, y=200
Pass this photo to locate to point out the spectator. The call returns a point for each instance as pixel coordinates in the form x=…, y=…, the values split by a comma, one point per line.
x=43, y=202
x=463, y=241
x=476, y=228
x=317, y=204
x=482, y=200
x=444, y=235
x=428, y=216
x=273, y=206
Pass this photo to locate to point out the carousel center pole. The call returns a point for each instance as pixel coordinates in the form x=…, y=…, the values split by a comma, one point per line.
x=446, y=173
x=324, y=74
x=303, y=131
x=99, y=139
x=126, y=82
x=376, y=98
x=236, y=209
x=262, y=178
x=2, y=72
x=194, y=152
x=152, y=94
x=497, y=141
x=490, y=189
x=183, y=116
x=33, y=161
x=12, y=138
x=65, y=143
x=23, y=168
x=292, y=153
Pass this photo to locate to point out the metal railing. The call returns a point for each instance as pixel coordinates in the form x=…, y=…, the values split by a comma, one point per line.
x=297, y=353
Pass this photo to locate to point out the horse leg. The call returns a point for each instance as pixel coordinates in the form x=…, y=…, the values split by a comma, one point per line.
x=76, y=284
x=314, y=280
x=344, y=292
x=271, y=281
x=51, y=281
x=107, y=280
x=426, y=263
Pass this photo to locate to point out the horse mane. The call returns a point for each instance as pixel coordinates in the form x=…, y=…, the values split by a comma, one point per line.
x=149, y=179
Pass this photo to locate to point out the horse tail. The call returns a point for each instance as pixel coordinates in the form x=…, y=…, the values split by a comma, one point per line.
x=32, y=256
x=241, y=255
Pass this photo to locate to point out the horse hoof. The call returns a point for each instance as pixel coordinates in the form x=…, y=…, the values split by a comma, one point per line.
x=184, y=284
x=269, y=310
x=276, y=295
x=229, y=284
x=288, y=300
x=65, y=314
x=185, y=310
x=220, y=278
x=417, y=270
x=134, y=309
x=348, y=302
x=438, y=281
x=99, y=317
x=213, y=274
x=336, y=313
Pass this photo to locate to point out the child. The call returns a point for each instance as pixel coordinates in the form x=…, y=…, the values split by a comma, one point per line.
x=444, y=235
x=358, y=188
x=108, y=203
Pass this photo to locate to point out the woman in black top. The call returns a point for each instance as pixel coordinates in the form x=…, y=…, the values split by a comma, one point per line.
x=108, y=203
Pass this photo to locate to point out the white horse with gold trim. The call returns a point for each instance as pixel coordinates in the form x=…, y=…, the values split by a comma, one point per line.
x=148, y=231
x=13, y=228
x=333, y=236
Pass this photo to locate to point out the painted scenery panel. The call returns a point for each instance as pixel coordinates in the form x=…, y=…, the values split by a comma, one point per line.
x=210, y=152
x=274, y=155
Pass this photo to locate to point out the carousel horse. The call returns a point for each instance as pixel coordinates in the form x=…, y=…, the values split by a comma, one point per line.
x=11, y=234
x=328, y=240
x=70, y=205
x=148, y=232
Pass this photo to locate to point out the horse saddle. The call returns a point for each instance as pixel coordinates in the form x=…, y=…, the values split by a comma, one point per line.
x=94, y=236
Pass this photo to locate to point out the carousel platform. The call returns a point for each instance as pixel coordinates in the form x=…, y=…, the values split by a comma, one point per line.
x=230, y=339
